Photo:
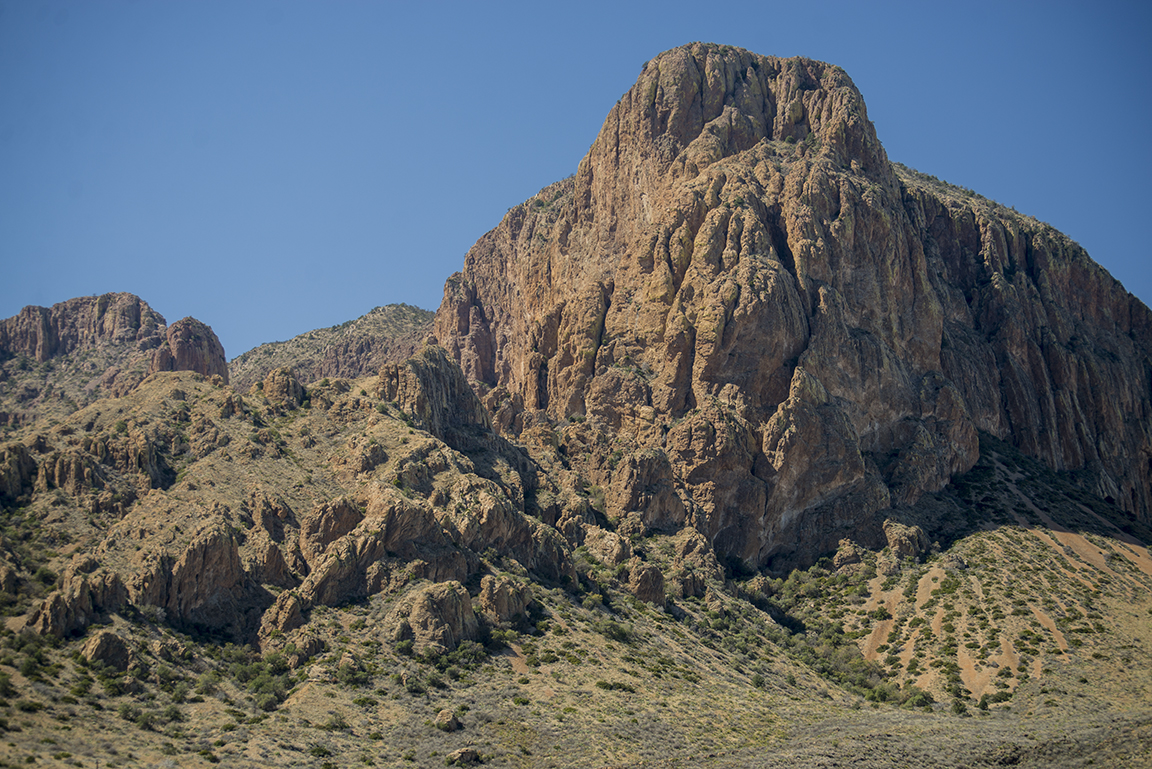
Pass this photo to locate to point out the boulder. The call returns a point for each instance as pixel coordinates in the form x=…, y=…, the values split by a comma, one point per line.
x=108, y=649
x=462, y=757
x=282, y=387
x=436, y=617
x=906, y=541
x=446, y=721
x=605, y=546
x=503, y=599
x=646, y=582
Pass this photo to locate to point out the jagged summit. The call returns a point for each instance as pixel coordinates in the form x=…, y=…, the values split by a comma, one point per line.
x=700, y=103
x=57, y=359
x=738, y=280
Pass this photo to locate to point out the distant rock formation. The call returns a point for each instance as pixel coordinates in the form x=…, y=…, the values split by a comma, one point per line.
x=738, y=279
x=191, y=347
x=88, y=322
x=360, y=347
x=56, y=359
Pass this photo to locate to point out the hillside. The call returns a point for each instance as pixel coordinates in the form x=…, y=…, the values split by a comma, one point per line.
x=743, y=447
x=1024, y=634
x=351, y=349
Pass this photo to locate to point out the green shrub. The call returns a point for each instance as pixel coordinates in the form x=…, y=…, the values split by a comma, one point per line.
x=613, y=686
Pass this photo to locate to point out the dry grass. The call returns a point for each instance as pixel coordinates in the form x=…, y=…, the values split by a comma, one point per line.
x=798, y=671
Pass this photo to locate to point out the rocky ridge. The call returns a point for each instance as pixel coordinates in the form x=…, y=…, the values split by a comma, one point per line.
x=738, y=280
x=60, y=358
x=350, y=350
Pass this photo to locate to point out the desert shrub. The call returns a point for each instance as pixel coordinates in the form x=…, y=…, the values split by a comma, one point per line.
x=614, y=686
x=614, y=631
x=268, y=678
x=915, y=697
x=883, y=692
x=351, y=675
x=335, y=723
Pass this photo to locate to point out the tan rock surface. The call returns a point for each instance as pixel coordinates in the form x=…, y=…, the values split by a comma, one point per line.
x=191, y=347
x=737, y=277
x=503, y=599
x=435, y=617
x=107, y=648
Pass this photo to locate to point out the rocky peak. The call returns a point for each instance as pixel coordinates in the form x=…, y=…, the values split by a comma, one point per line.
x=700, y=103
x=192, y=346
x=737, y=278
x=56, y=359
x=42, y=333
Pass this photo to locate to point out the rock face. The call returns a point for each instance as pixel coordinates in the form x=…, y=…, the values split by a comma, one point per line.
x=42, y=333
x=738, y=279
x=436, y=395
x=436, y=618
x=86, y=592
x=109, y=649
x=56, y=359
x=502, y=599
x=191, y=347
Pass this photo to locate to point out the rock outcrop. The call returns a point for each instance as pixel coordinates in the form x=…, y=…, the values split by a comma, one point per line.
x=436, y=395
x=739, y=279
x=43, y=333
x=192, y=346
x=503, y=599
x=107, y=648
x=56, y=359
x=87, y=591
x=436, y=618
x=281, y=386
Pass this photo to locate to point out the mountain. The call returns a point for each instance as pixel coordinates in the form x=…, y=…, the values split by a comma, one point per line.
x=56, y=359
x=742, y=447
x=352, y=349
x=798, y=335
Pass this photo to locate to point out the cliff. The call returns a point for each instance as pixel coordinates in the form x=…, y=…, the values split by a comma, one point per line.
x=56, y=359
x=739, y=280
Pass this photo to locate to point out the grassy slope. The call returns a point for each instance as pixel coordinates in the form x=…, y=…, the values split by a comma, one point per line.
x=306, y=352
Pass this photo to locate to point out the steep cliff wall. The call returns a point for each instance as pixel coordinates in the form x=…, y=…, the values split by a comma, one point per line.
x=42, y=333
x=738, y=278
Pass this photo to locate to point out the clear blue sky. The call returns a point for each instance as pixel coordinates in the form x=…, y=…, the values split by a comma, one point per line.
x=274, y=167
